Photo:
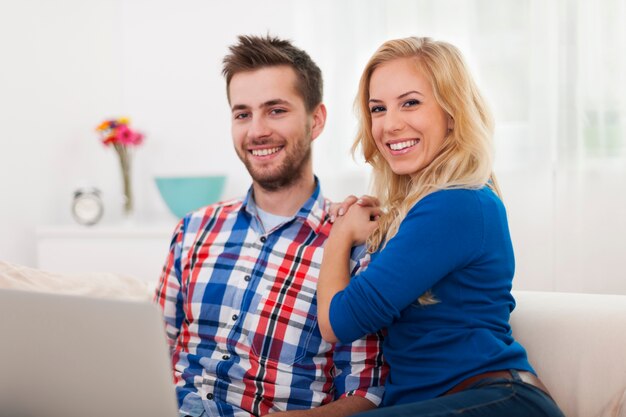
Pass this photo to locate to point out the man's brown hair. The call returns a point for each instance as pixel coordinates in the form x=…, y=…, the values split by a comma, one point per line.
x=255, y=52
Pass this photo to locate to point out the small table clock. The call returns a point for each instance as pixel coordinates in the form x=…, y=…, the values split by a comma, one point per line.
x=87, y=207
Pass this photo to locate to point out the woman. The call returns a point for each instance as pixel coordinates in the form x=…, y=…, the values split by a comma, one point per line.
x=442, y=261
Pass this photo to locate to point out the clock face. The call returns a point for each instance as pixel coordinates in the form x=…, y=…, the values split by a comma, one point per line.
x=87, y=209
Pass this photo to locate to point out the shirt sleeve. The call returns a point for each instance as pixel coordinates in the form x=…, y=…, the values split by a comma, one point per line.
x=360, y=366
x=440, y=234
x=168, y=293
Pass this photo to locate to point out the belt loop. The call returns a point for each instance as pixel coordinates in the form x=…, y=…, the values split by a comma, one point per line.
x=515, y=375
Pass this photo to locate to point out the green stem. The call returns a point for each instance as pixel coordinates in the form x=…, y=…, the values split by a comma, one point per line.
x=125, y=164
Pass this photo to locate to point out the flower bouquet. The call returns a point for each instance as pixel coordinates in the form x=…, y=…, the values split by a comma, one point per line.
x=117, y=133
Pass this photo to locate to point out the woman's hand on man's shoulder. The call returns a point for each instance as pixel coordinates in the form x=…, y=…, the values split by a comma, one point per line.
x=339, y=209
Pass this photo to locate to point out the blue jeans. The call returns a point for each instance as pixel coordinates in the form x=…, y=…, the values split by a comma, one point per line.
x=490, y=397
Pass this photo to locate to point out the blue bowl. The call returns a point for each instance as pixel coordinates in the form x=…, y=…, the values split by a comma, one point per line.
x=185, y=194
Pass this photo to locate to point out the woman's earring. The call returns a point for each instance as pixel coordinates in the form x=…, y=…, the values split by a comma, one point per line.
x=450, y=124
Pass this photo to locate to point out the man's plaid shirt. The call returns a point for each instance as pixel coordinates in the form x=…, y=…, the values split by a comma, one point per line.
x=241, y=315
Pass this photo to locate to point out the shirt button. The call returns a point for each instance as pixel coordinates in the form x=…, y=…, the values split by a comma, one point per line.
x=235, y=317
x=263, y=239
x=246, y=278
x=226, y=357
x=209, y=396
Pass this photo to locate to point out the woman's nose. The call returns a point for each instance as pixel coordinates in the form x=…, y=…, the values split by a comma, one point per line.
x=393, y=121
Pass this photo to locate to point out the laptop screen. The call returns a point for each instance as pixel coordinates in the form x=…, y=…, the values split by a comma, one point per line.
x=69, y=356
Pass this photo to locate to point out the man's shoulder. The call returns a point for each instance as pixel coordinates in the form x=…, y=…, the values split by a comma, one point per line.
x=226, y=206
x=200, y=218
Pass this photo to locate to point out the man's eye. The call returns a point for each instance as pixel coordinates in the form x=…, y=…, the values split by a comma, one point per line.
x=241, y=116
x=278, y=111
x=377, y=109
x=411, y=103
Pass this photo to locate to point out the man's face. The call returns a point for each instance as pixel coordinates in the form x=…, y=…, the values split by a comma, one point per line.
x=272, y=131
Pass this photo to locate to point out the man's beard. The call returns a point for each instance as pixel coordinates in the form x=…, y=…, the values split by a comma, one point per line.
x=289, y=172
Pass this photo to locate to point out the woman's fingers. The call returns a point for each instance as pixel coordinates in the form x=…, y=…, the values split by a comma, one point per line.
x=368, y=201
x=343, y=207
x=375, y=213
x=339, y=209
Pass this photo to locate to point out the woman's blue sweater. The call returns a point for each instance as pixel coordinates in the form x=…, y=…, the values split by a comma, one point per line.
x=455, y=243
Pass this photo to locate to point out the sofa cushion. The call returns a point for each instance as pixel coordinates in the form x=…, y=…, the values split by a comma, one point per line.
x=576, y=342
x=92, y=284
x=616, y=407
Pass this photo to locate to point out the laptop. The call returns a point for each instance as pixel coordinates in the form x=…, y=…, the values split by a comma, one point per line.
x=69, y=356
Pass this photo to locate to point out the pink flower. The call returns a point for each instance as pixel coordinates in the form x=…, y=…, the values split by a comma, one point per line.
x=127, y=136
x=118, y=132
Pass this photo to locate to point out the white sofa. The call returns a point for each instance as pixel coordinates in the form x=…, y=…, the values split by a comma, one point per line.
x=576, y=342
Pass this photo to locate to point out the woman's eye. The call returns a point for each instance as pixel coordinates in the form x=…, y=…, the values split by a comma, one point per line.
x=411, y=103
x=377, y=109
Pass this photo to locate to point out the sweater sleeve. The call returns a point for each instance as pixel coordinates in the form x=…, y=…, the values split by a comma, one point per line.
x=443, y=232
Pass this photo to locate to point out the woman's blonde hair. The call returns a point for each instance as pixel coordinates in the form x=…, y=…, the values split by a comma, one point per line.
x=465, y=159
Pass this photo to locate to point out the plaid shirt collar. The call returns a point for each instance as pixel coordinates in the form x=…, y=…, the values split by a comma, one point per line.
x=313, y=212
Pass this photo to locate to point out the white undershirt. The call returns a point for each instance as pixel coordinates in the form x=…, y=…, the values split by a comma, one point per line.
x=269, y=220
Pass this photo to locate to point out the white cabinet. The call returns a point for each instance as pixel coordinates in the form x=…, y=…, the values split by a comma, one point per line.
x=136, y=250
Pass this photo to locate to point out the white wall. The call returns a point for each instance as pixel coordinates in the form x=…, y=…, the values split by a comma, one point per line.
x=60, y=74
x=173, y=86
x=67, y=65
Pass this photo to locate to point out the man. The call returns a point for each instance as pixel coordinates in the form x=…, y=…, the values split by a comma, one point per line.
x=238, y=287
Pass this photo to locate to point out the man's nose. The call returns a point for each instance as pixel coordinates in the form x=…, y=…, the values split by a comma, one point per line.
x=259, y=128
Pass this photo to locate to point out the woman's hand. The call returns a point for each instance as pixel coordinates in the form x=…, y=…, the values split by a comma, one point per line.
x=355, y=219
x=357, y=223
x=339, y=209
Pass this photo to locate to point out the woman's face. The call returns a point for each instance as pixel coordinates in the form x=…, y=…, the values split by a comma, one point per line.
x=408, y=124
